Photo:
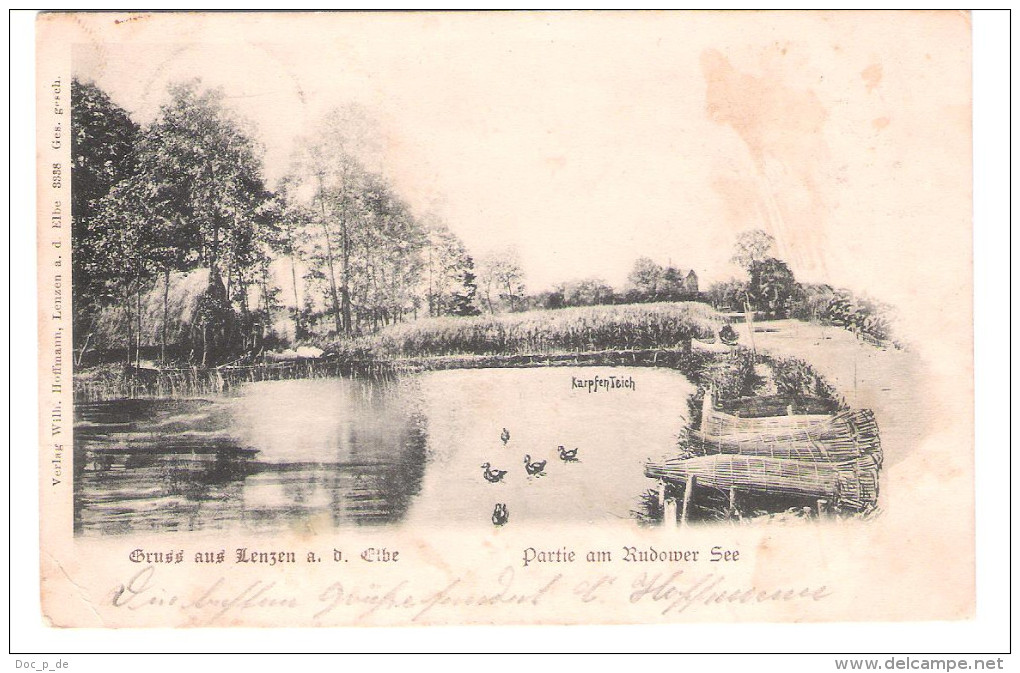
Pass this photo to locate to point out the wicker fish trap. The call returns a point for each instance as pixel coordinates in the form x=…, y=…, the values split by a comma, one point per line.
x=719, y=423
x=846, y=436
x=851, y=485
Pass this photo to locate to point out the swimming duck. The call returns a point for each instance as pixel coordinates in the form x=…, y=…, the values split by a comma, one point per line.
x=536, y=468
x=505, y=436
x=500, y=515
x=492, y=475
x=568, y=456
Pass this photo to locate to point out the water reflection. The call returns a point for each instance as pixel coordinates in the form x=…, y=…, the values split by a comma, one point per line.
x=347, y=453
x=316, y=455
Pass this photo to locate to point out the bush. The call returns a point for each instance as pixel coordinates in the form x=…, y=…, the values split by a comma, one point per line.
x=812, y=302
x=744, y=373
x=860, y=315
x=793, y=378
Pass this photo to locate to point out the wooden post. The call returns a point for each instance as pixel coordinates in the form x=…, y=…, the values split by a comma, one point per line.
x=733, y=504
x=662, y=493
x=750, y=323
x=706, y=409
x=669, y=513
x=687, y=499
x=823, y=508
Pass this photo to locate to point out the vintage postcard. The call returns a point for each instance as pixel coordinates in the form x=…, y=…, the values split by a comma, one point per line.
x=392, y=319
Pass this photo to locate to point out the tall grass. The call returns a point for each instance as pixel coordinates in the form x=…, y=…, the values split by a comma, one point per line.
x=111, y=382
x=576, y=330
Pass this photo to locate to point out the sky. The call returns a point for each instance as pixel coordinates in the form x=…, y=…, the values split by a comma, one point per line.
x=586, y=140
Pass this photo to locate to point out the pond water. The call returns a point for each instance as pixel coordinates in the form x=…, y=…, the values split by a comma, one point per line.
x=315, y=455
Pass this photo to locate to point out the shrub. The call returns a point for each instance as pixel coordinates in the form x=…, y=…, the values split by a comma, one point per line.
x=860, y=315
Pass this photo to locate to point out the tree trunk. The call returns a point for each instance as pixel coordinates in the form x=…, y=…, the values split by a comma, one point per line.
x=130, y=323
x=166, y=314
x=432, y=307
x=265, y=306
x=297, y=302
x=488, y=295
x=138, y=334
x=345, y=251
x=84, y=348
x=230, y=278
x=214, y=254
x=345, y=290
x=329, y=261
x=246, y=331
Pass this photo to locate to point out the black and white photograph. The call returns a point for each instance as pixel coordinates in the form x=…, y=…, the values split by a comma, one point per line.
x=680, y=298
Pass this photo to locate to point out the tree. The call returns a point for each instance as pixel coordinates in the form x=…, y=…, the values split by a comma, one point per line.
x=553, y=299
x=502, y=274
x=103, y=138
x=772, y=287
x=645, y=280
x=728, y=295
x=387, y=264
x=197, y=183
x=204, y=170
x=463, y=303
x=812, y=301
x=447, y=265
x=752, y=246
x=672, y=284
x=294, y=220
x=118, y=238
x=588, y=292
x=329, y=167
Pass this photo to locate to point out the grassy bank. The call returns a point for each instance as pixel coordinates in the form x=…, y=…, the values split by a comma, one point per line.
x=650, y=335
x=570, y=330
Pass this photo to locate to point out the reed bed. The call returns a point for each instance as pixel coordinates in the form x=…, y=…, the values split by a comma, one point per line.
x=189, y=382
x=846, y=436
x=851, y=485
x=575, y=330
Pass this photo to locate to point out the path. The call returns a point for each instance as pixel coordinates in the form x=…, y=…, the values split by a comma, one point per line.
x=882, y=379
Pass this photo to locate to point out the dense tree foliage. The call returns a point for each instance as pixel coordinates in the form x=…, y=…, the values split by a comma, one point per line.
x=772, y=287
x=650, y=281
x=449, y=275
x=589, y=292
x=102, y=140
x=186, y=193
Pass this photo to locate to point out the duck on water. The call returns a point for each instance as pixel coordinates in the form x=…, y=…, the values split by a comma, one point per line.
x=491, y=475
x=536, y=468
x=568, y=456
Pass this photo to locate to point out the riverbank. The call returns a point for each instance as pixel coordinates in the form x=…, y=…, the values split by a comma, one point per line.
x=862, y=375
x=733, y=371
x=654, y=334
